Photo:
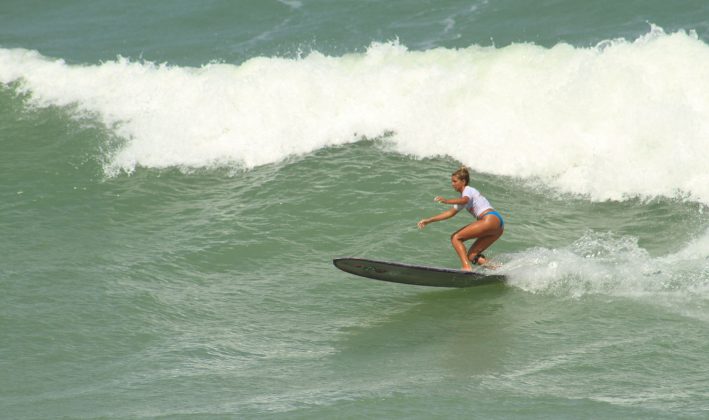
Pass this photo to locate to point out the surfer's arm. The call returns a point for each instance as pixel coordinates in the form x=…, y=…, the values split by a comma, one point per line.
x=460, y=200
x=443, y=216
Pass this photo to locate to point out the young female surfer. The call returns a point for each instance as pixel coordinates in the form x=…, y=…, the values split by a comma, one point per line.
x=488, y=227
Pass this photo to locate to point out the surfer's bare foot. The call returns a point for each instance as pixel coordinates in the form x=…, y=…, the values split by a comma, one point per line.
x=491, y=265
x=467, y=268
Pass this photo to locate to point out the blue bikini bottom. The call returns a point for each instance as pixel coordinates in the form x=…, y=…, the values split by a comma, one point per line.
x=498, y=215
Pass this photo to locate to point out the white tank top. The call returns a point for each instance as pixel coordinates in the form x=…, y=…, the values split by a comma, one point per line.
x=477, y=204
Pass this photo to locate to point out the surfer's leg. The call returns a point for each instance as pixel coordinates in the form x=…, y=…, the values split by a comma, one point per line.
x=460, y=250
x=479, y=229
x=481, y=244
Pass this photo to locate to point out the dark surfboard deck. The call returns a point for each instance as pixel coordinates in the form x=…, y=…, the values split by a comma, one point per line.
x=415, y=274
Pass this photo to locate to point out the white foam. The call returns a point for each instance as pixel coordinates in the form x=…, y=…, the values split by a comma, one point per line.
x=624, y=118
x=605, y=264
x=293, y=4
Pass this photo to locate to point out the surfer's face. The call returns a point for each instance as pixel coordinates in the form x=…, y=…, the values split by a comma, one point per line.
x=457, y=183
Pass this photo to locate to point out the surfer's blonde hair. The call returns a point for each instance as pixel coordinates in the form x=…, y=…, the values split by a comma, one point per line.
x=462, y=173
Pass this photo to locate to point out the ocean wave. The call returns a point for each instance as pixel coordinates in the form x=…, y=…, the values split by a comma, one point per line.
x=626, y=118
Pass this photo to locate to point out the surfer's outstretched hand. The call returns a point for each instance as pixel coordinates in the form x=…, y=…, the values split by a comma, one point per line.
x=421, y=224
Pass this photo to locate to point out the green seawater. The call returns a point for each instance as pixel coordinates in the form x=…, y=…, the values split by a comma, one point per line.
x=190, y=276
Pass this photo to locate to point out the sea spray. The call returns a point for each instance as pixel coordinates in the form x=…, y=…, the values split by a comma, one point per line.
x=615, y=266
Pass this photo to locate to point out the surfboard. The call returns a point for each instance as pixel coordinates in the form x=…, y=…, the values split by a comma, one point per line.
x=415, y=274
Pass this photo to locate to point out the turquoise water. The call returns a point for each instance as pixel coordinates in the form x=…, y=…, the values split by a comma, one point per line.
x=177, y=177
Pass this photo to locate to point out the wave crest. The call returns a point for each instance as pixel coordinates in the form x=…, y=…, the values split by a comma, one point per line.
x=621, y=119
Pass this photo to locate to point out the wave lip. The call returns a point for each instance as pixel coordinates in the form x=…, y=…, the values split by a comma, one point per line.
x=621, y=119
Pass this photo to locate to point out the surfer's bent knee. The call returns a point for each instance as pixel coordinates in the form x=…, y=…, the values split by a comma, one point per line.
x=456, y=238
